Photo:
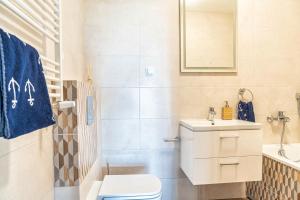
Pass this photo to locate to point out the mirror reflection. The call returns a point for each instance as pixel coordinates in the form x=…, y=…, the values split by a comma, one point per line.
x=208, y=35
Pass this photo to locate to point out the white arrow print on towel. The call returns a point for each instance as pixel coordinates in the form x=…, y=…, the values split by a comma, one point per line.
x=28, y=87
x=12, y=85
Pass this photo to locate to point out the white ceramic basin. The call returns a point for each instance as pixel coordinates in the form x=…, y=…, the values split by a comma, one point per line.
x=220, y=125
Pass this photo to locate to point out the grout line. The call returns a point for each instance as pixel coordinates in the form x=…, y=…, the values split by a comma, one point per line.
x=140, y=82
x=30, y=142
x=150, y=118
x=199, y=86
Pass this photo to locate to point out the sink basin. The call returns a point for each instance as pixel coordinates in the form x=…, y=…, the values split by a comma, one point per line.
x=220, y=125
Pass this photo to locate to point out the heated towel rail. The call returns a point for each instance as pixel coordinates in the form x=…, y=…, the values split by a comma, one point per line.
x=38, y=23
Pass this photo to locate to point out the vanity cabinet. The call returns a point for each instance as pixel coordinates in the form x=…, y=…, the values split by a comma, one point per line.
x=215, y=156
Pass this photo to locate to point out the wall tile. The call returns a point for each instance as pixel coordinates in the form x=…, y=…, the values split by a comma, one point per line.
x=22, y=164
x=159, y=38
x=178, y=189
x=279, y=181
x=72, y=40
x=136, y=119
x=195, y=101
x=120, y=134
x=119, y=103
x=268, y=56
x=117, y=71
x=165, y=71
x=66, y=169
x=111, y=39
x=158, y=102
x=75, y=142
x=119, y=10
x=154, y=131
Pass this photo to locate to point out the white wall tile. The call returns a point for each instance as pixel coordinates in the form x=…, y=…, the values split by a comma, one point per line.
x=116, y=71
x=120, y=134
x=113, y=27
x=73, y=61
x=165, y=71
x=113, y=40
x=18, y=168
x=26, y=162
x=268, y=61
x=154, y=131
x=119, y=103
x=159, y=38
x=98, y=12
x=158, y=102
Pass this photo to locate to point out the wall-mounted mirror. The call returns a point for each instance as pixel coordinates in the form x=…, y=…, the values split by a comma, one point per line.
x=208, y=35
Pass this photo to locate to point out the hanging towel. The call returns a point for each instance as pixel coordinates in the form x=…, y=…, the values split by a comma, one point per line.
x=24, y=99
x=246, y=111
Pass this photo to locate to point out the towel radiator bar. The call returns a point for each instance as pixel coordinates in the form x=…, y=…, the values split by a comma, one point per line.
x=43, y=18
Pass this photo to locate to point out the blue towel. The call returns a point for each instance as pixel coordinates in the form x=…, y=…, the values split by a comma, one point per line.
x=24, y=99
x=246, y=111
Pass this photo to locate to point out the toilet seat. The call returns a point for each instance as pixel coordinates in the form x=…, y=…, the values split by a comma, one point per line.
x=130, y=187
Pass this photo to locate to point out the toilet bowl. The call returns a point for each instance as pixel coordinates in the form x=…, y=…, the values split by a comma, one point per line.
x=130, y=187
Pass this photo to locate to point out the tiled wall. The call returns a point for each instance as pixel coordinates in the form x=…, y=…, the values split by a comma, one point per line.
x=87, y=133
x=138, y=110
x=123, y=38
x=279, y=182
x=26, y=163
x=26, y=167
x=75, y=143
x=73, y=61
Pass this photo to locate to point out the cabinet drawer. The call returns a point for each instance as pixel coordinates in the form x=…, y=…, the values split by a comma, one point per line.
x=227, y=143
x=226, y=170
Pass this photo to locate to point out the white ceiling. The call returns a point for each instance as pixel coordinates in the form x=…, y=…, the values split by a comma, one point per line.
x=224, y=6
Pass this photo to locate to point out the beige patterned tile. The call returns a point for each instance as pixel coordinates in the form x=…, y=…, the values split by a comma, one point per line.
x=71, y=134
x=279, y=182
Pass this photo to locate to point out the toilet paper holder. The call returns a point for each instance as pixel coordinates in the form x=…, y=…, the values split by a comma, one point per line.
x=65, y=104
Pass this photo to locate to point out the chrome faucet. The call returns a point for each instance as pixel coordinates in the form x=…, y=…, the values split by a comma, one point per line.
x=280, y=117
x=284, y=119
x=211, y=115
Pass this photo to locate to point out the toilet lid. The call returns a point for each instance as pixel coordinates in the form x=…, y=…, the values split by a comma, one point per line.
x=143, y=186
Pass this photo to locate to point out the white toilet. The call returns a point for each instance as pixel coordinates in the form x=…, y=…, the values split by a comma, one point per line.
x=130, y=187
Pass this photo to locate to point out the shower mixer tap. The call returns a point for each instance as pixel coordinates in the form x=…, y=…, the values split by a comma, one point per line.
x=281, y=117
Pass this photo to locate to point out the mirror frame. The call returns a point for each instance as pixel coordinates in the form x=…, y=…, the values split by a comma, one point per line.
x=182, y=32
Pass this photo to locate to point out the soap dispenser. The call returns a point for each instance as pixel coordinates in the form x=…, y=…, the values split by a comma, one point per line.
x=227, y=112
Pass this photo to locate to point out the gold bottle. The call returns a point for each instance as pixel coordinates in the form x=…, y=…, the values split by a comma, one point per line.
x=227, y=112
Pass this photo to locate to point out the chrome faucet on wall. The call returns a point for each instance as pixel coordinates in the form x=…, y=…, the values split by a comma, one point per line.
x=280, y=117
x=284, y=119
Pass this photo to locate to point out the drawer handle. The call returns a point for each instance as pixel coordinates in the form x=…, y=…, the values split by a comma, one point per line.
x=229, y=164
x=229, y=136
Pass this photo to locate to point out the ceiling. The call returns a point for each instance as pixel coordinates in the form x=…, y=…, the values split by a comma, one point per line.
x=224, y=6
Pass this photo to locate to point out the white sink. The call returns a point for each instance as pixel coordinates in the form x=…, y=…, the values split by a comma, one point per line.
x=219, y=125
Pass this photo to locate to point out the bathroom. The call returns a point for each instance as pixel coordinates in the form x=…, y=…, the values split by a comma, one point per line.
x=123, y=98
